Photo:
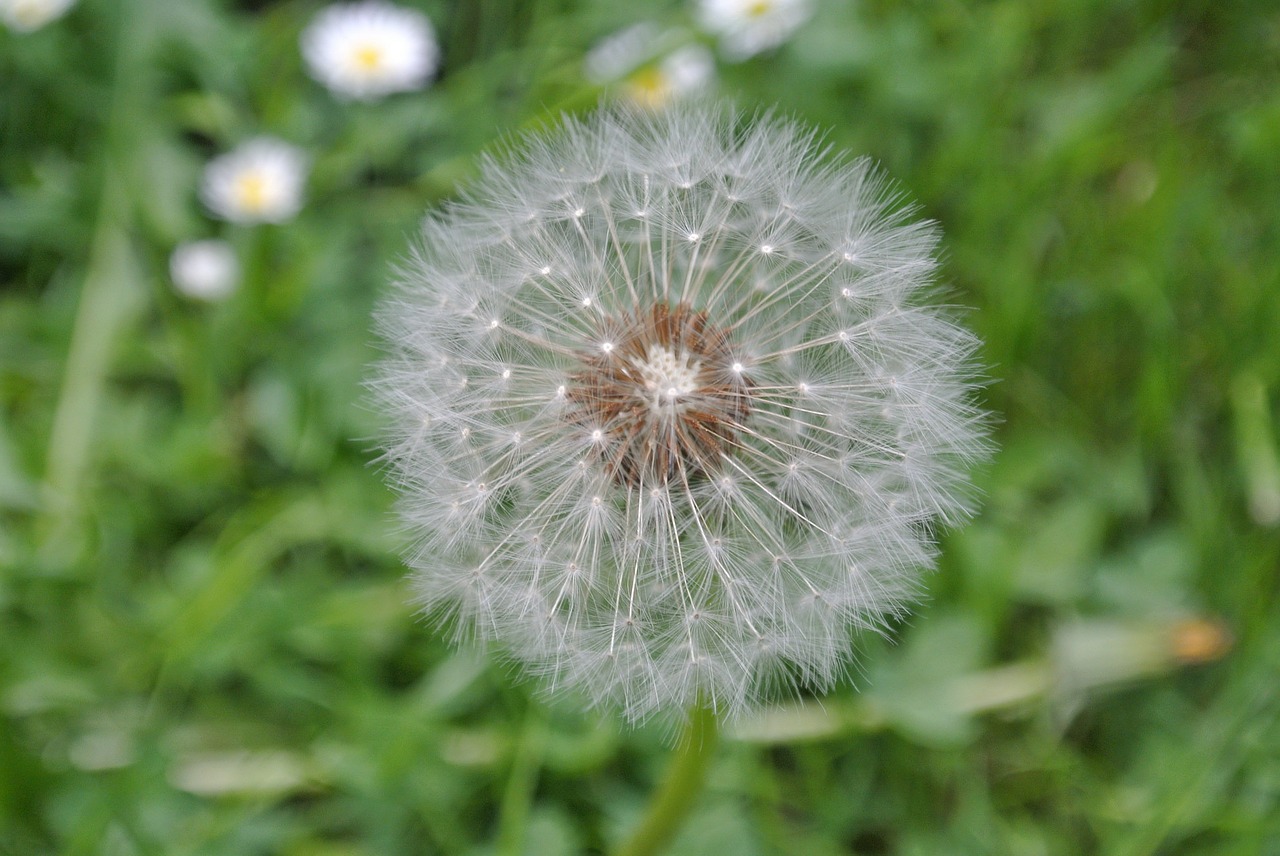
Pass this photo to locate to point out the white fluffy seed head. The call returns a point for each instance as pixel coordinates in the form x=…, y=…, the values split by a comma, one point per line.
x=729, y=459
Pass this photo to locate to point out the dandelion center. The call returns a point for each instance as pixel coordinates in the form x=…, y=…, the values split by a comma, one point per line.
x=670, y=378
x=664, y=396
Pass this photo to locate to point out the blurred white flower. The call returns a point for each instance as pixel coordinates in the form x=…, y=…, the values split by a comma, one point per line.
x=747, y=27
x=371, y=49
x=27, y=15
x=205, y=270
x=260, y=181
x=653, y=66
x=617, y=54
x=683, y=72
x=671, y=417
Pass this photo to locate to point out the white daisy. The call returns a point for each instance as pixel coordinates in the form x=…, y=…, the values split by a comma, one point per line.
x=258, y=182
x=370, y=49
x=680, y=73
x=27, y=15
x=614, y=56
x=205, y=270
x=747, y=27
x=652, y=74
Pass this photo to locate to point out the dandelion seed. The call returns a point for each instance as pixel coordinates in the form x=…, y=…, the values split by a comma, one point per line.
x=748, y=27
x=205, y=270
x=723, y=486
x=370, y=50
x=258, y=182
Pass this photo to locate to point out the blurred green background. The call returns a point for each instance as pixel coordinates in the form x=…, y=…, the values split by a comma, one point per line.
x=205, y=646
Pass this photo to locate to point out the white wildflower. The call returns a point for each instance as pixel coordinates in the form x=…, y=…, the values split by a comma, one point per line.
x=27, y=15
x=371, y=49
x=616, y=55
x=205, y=270
x=671, y=418
x=747, y=27
x=681, y=73
x=260, y=181
x=654, y=67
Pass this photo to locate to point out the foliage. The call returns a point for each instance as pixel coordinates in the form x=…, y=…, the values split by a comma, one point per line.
x=208, y=647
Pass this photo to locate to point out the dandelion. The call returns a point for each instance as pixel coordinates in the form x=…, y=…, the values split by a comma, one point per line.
x=369, y=50
x=205, y=270
x=26, y=15
x=747, y=27
x=672, y=416
x=258, y=182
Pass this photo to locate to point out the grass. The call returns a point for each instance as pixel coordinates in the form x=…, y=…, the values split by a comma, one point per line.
x=207, y=646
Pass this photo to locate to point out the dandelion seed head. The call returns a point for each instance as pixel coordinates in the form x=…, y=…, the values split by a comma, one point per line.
x=704, y=466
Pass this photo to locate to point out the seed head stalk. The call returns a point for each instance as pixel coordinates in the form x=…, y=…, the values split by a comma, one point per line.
x=676, y=797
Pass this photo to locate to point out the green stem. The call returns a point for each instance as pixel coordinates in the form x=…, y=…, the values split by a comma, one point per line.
x=676, y=796
x=517, y=800
x=109, y=299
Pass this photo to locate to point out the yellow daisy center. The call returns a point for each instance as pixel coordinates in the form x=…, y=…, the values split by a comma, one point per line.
x=649, y=87
x=368, y=57
x=30, y=14
x=758, y=8
x=251, y=191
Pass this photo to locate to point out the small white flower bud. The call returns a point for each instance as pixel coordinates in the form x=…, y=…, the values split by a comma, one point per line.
x=205, y=270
